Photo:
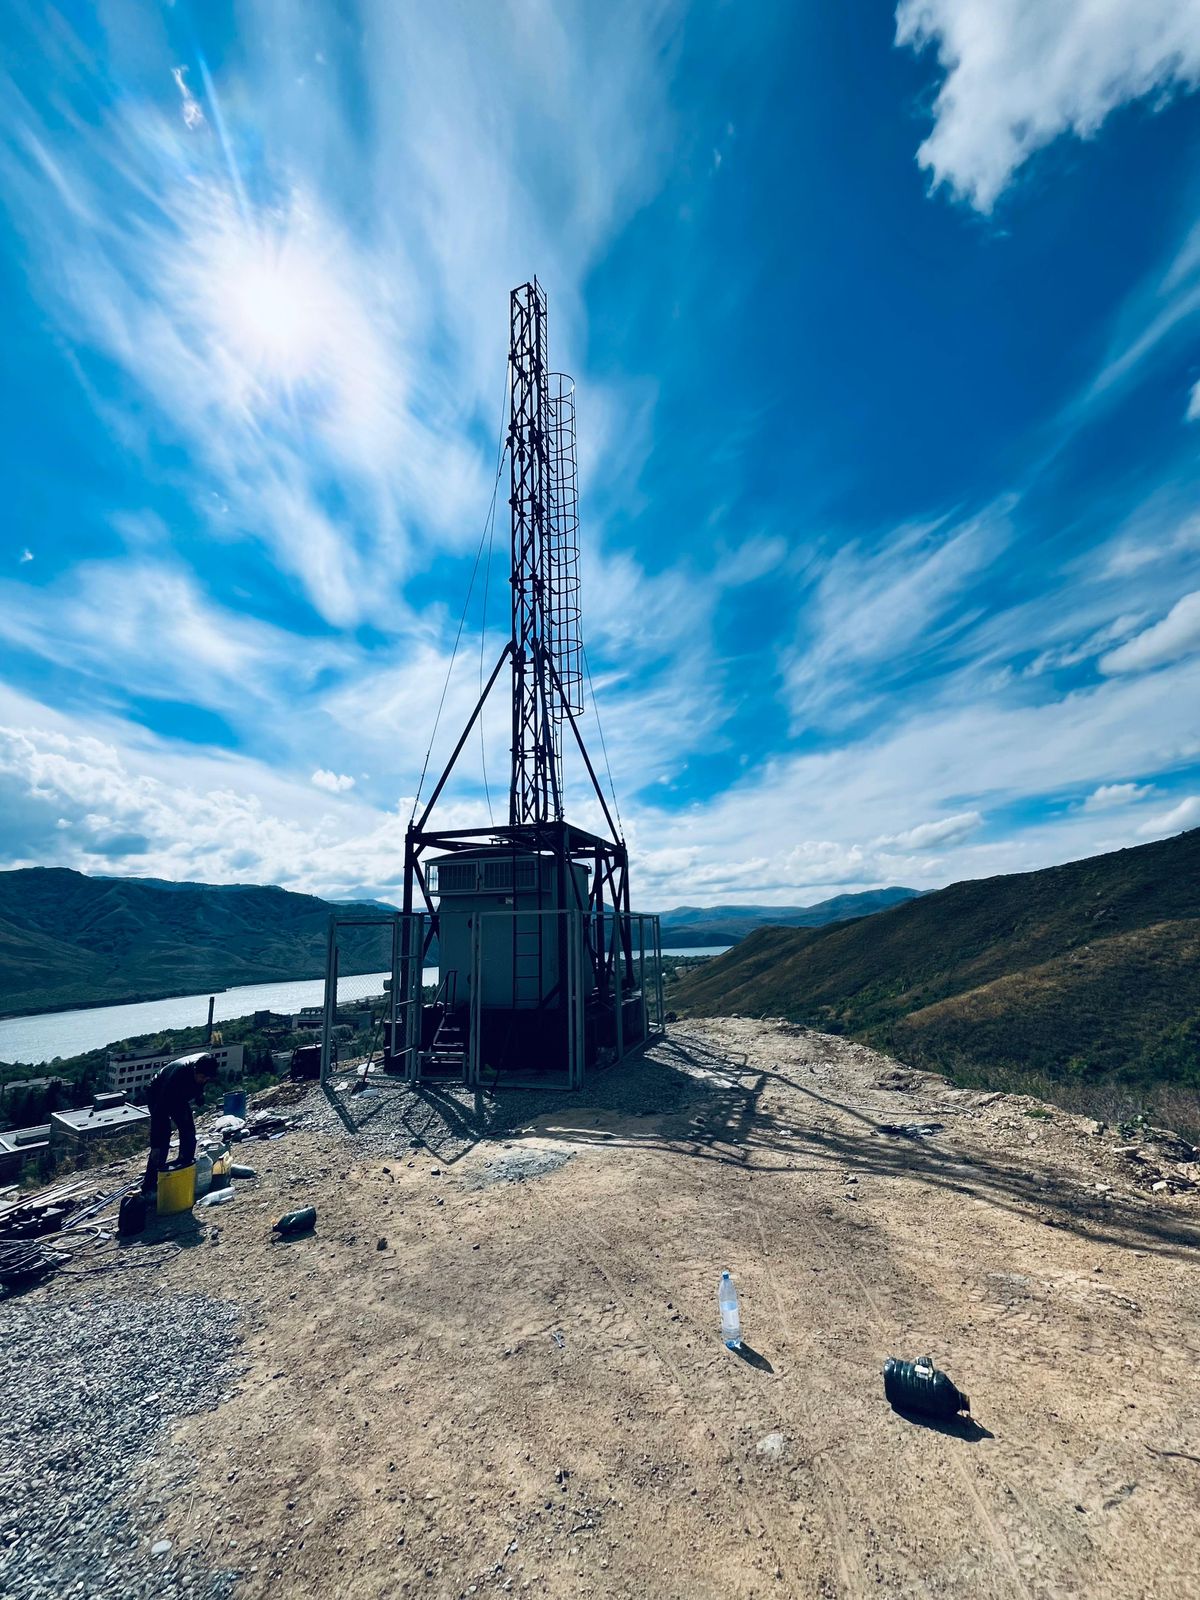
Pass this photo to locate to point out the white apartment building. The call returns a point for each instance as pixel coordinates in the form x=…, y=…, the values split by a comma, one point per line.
x=129, y=1074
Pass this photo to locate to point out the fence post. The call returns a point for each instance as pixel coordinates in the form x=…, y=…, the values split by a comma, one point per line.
x=658, y=975
x=330, y=999
x=642, y=972
x=618, y=975
x=396, y=1007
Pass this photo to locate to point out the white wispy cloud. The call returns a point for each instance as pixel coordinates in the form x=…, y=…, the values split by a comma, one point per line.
x=323, y=340
x=1153, y=540
x=989, y=752
x=144, y=625
x=193, y=116
x=80, y=797
x=1070, y=655
x=1185, y=815
x=1193, y=406
x=753, y=559
x=1020, y=73
x=1152, y=318
x=876, y=613
x=1110, y=795
x=795, y=827
x=931, y=835
x=1178, y=634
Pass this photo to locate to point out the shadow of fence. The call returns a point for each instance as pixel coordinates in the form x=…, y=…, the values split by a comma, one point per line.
x=689, y=1098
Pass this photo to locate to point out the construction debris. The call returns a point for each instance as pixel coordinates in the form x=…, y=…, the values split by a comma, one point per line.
x=293, y=1222
x=31, y=1216
x=919, y=1386
x=23, y=1263
x=1165, y=1164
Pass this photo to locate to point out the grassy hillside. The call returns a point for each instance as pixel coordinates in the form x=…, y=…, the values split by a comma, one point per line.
x=69, y=940
x=1089, y=971
x=704, y=925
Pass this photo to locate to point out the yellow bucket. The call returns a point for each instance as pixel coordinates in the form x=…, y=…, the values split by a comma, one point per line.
x=176, y=1190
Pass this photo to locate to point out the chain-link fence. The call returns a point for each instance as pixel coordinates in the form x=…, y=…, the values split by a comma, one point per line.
x=371, y=1014
x=532, y=998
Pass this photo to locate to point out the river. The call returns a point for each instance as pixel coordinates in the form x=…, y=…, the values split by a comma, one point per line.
x=36, y=1040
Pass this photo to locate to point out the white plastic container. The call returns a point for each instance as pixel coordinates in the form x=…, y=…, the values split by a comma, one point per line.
x=204, y=1172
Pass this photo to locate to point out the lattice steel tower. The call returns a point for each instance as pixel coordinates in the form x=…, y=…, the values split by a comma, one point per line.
x=542, y=963
x=547, y=681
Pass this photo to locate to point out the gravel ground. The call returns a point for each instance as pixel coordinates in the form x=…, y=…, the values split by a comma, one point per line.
x=87, y=1391
x=449, y=1119
x=515, y=1168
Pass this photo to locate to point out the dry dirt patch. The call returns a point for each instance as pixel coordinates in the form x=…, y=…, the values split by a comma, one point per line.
x=519, y=1388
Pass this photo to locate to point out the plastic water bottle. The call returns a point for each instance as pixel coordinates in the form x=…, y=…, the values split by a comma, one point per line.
x=731, y=1317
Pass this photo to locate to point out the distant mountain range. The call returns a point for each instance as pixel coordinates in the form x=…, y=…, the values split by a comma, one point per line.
x=67, y=939
x=1091, y=969
x=688, y=926
x=70, y=940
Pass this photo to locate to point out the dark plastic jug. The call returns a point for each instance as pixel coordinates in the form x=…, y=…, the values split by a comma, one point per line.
x=296, y=1221
x=131, y=1218
x=919, y=1386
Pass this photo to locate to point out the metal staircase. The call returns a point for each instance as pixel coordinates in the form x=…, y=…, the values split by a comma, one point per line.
x=448, y=1050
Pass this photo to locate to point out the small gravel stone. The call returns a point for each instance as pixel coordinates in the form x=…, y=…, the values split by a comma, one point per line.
x=516, y=1167
x=87, y=1389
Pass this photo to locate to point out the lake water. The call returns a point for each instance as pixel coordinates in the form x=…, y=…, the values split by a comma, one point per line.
x=35, y=1040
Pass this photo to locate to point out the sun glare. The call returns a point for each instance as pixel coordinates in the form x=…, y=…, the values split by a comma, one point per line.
x=270, y=299
x=275, y=306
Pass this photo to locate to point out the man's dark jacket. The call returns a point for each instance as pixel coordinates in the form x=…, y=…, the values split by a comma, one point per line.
x=175, y=1088
x=169, y=1100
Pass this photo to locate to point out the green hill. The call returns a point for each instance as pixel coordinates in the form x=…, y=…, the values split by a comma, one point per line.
x=1084, y=971
x=685, y=927
x=70, y=940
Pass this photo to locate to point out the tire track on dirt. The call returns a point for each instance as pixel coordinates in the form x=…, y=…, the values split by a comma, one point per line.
x=695, y=1401
x=991, y=1528
x=836, y=1524
x=986, y=1521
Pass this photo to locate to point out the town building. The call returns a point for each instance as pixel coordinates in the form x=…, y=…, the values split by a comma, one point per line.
x=130, y=1074
x=309, y=1019
x=110, y=1119
x=19, y=1147
x=22, y=1085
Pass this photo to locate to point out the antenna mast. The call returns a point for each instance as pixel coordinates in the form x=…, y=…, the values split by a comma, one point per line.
x=545, y=645
x=539, y=968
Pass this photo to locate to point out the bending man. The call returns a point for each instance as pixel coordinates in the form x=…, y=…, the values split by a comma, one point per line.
x=169, y=1100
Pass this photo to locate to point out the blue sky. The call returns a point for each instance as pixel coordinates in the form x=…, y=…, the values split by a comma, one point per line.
x=886, y=329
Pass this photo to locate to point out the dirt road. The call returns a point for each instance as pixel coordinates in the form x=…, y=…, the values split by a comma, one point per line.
x=465, y=1386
